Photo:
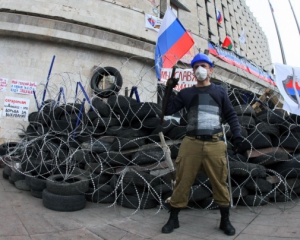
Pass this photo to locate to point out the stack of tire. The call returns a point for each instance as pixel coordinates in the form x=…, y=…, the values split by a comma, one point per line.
x=67, y=194
x=111, y=152
x=269, y=133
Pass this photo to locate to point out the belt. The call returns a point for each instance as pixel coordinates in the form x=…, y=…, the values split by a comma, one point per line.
x=209, y=137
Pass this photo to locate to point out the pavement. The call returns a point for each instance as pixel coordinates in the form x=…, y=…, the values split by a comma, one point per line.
x=23, y=217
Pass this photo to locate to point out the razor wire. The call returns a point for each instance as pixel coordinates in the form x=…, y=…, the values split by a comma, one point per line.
x=113, y=143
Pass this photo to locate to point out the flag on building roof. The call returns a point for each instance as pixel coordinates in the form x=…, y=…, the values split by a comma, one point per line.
x=173, y=42
x=242, y=38
x=227, y=43
x=219, y=16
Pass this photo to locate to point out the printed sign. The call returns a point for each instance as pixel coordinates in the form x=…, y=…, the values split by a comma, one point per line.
x=186, y=77
x=22, y=87
x=288, y=83
x=16, y=107
x=152, y=22
x=3, y=84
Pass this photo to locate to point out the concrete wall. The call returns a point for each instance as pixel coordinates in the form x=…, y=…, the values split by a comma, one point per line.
x=90, y=33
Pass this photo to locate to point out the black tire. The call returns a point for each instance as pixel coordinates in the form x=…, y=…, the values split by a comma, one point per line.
x=270, y=158
x=106, y=122
x=122, y=144
x=141, y=179
x=134, y=202
x=246, y=121
x=119, y=103
x=238, y=191
x=99, y=196
x=289, y=142
x=132, y=133
x=16, y=176
x=165, y=127
x=97, y=77
x=73, y=185
x=8, y=147
x=199, y=193
x=21, y=185
x=288, y=169
x=209, y=204
x=6, y=172
x=285, y=197
x=116, y=159
x=236, y=157
x=162, y=189
x=102, y=107
x=38, y=183
x=247, y=169
x=244, y=109
x=177, y=133
x=264, y=127
x=148, y=156
x=253, y=200
x=149, y=123
x=202, y=180
x=63, y=203
x=37, y=194
x=258, y=141
x=260, y=185
x=274, y=117
x=96, y=146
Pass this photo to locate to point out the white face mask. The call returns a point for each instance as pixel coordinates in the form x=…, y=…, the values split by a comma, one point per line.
x=201, y=73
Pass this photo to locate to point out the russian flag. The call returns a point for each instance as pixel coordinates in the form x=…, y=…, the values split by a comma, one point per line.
x=219, y=16
x=173, y=42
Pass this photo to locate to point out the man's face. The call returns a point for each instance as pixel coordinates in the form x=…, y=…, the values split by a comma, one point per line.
x=204, y=65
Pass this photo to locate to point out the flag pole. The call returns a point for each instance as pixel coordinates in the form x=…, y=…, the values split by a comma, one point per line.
x=295, y=16
x=278, y=35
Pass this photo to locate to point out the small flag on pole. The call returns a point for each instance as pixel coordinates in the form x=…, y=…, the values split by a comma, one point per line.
x=227, y=43
x=219, y=16
x=173, y=42
x=242, y=38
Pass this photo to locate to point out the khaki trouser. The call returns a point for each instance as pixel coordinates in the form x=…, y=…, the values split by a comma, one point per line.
x=195, y=155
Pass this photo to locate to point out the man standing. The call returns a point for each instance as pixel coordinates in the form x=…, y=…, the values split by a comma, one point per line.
x=203, y=147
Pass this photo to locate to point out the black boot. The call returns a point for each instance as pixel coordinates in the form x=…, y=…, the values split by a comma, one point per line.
x=172, y=222
x=225, y=224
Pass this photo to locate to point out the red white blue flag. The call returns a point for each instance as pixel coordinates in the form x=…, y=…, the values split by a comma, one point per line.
x=219, y=16
x=288, y=83
x=173, y=42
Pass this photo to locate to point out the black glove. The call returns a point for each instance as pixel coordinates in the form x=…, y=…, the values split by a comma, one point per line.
x=172, y=82
x=237, y=145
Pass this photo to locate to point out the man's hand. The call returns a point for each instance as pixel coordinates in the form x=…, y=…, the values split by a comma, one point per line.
x=237, y=145
x=172, y=82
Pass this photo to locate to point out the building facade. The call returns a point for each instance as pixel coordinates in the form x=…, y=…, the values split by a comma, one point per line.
x=83, y=35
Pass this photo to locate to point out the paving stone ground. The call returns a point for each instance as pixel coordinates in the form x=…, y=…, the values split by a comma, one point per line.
x=23, y=217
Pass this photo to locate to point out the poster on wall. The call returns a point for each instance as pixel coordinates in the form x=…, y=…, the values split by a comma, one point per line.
x=3, y=84
x=22, y=87
x=152, y=22
x=16, y=107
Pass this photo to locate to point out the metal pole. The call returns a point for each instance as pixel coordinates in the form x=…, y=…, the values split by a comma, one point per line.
x=295, y=16
x=169, y=90
x=46, y=86
x=278, y=35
